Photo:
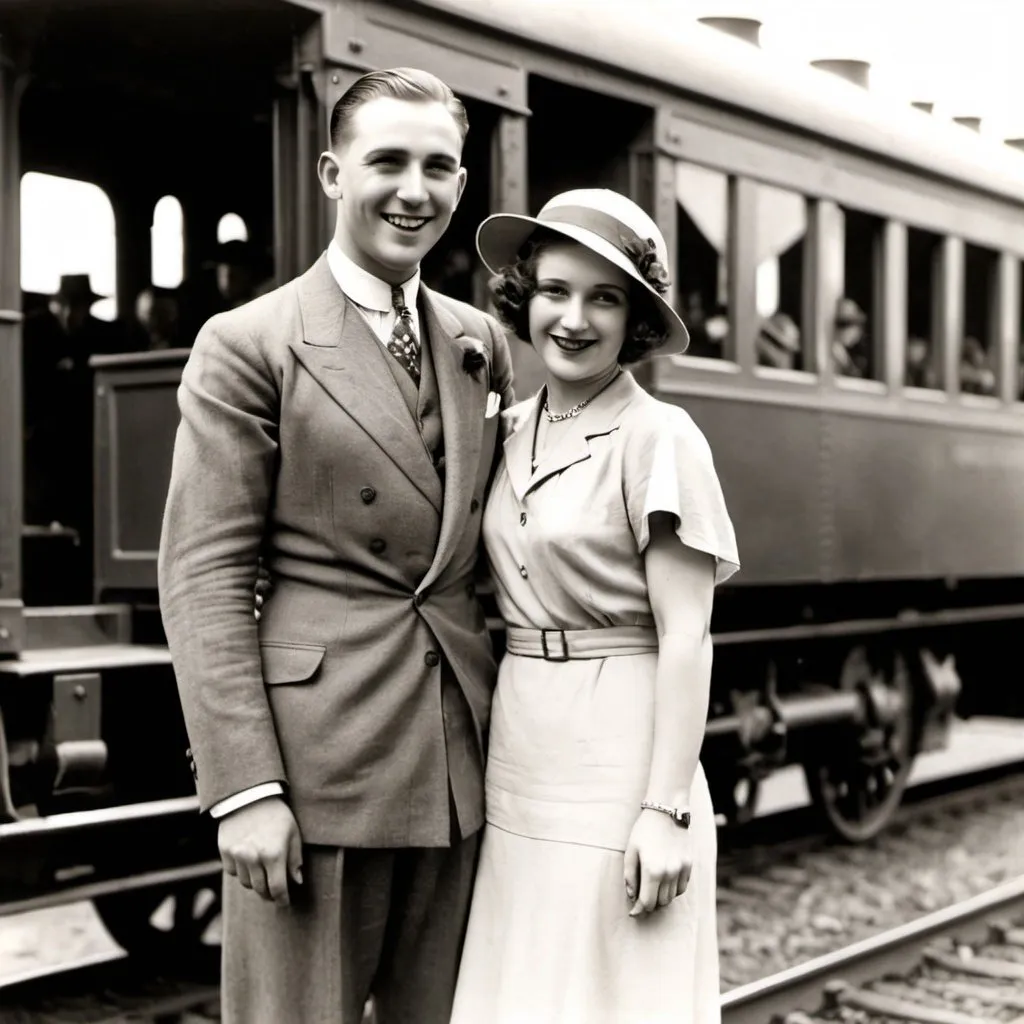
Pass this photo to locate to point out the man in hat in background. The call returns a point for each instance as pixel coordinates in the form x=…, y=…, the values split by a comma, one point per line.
x=241, y=273
x=85, y=335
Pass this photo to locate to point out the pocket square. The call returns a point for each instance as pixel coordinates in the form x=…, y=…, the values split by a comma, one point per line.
x=493, y=404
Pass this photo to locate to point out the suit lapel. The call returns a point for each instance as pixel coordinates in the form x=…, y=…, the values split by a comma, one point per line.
x=339, y=350
x=463, y=404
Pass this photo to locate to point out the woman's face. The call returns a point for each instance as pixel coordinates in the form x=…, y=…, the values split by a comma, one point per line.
x=578, y=313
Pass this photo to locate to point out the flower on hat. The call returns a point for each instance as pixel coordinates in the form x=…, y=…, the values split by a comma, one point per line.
x=644, y=255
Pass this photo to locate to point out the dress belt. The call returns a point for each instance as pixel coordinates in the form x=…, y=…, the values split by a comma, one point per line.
x=566, y=644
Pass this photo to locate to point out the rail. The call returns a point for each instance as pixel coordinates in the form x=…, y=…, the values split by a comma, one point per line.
x=802, y=988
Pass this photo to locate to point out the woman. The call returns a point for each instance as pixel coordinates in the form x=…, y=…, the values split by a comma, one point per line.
x=606, y=530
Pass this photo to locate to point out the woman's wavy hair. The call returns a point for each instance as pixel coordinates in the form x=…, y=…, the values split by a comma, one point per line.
x=513, y=287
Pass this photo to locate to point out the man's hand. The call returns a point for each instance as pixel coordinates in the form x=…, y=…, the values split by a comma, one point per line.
x=260, y=845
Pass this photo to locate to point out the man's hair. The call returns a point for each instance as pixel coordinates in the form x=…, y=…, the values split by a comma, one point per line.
x=409, y=84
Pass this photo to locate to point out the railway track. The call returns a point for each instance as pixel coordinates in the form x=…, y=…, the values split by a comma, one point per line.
x=109, y=992
x=960, y=965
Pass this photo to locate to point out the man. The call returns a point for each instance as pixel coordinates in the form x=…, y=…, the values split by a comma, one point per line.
x=240, y=273
x=339, y=427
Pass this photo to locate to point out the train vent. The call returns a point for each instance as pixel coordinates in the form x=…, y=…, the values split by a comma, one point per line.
x=856, y=71
x=747, y=29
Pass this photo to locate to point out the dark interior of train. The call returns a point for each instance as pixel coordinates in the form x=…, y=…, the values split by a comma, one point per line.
x=452, y=266
x=567, y=152
x=142, y=106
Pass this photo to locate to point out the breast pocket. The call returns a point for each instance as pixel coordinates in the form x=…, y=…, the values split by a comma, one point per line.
x=285, y=662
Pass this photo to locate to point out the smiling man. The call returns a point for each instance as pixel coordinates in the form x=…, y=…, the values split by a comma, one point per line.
x=337, y=426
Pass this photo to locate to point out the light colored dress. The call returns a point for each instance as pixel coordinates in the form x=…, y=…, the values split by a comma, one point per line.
x=549, y=939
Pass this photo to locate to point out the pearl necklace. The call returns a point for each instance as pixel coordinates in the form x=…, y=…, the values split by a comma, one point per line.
x=558, y=417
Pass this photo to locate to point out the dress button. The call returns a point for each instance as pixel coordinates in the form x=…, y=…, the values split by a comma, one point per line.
x=522, y=518
x=367, y=494
x=377, y=546
x=474, y=505
x=523, y=572
x=431, y=658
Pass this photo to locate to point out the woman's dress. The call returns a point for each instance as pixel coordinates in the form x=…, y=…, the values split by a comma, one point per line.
x=549, y=937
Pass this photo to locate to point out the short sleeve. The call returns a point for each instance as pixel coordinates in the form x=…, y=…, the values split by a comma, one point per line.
x=669, y=468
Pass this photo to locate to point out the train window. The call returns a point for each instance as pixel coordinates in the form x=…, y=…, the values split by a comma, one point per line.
x=167, y=243
x=781, y=231
x=565, y=151
x=855, y=337
x=67, y=230
x=924, y=351
x=702, y=258
x=231, y=228
x=977, y=366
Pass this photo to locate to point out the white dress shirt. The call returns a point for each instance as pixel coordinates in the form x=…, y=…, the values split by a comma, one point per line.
x=372, y=297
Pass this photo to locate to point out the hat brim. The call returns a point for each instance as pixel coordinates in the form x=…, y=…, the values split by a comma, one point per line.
x=500, y=237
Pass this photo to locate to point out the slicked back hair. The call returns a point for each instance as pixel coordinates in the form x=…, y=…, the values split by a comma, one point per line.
x=410, y=84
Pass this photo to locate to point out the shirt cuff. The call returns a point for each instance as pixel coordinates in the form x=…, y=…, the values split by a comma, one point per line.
x=246, y=797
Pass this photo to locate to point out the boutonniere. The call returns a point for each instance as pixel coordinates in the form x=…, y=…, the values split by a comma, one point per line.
x=474, y=359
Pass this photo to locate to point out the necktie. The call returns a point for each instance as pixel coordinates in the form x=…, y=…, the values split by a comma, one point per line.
x=403, y=344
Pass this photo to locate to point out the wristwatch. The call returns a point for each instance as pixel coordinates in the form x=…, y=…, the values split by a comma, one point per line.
x=681, y=818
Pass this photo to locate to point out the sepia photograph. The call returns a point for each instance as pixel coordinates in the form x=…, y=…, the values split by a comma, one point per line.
x=510, y=511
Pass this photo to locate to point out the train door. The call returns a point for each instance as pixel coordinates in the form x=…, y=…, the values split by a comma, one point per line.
x=493, y=89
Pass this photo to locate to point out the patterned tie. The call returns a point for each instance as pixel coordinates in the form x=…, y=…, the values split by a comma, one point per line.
x=402, y=343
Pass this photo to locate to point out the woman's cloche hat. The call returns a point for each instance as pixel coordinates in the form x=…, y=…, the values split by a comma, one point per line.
x=606, y=223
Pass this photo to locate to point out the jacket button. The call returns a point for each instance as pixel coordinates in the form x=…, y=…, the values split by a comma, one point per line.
x=367, y=494
x=474, y=505
x=377, y=546
x=431, y=658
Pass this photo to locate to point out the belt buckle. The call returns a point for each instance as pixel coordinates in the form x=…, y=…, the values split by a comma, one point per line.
x=548, y=656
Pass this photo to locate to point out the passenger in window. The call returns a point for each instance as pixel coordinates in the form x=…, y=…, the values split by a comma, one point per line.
x=920, y=372
x=84, y=334
x=707, y=332
x=778, y=342
x=157, y=313
x=241, y=271
x=851, y=355
x=976, y=376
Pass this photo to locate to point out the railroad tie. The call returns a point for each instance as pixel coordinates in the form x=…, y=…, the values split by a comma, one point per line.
x=967, y=989
x=983, y=966
x=843, y=994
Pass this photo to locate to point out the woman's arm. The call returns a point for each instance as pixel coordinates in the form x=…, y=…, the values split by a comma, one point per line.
x=680, y=582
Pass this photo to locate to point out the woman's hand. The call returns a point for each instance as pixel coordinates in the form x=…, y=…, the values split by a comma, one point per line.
x=657, y=862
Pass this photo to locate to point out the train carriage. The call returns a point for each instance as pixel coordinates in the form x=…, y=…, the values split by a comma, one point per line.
x=851, y=272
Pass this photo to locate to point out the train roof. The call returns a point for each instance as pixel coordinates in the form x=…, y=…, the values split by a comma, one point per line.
x=656, y=40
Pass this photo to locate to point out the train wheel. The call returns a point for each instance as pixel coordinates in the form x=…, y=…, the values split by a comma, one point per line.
x=735, y=798
x=859, y=784
x=168, y=925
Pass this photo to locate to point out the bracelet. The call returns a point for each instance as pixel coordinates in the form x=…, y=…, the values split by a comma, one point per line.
x=681, y=818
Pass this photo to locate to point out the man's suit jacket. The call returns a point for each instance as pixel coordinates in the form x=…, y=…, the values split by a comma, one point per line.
x=295, y=442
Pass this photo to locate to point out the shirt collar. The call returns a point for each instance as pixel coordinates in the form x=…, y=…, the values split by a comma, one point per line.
x=362, y=287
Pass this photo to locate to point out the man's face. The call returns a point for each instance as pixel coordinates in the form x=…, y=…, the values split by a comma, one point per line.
x=398, y=179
